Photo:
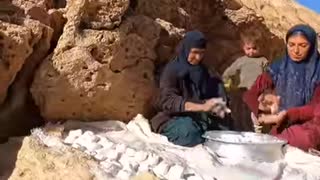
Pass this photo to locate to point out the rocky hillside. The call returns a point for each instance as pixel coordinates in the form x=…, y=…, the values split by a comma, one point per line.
x=96, y=59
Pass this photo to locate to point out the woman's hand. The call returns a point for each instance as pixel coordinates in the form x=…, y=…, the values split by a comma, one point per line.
x=209, y=105
x=217, y=106
x=269, y=103
x=276, y=119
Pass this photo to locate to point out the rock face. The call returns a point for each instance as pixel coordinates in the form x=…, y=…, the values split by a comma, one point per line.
x=15, y=48
x=34, y=160
x=224, y=21
x=99, y=73
x=103, y=64
x=25, y=42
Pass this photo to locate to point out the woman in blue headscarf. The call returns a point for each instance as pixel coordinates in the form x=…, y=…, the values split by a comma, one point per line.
x=190, y=99
x=296, y=80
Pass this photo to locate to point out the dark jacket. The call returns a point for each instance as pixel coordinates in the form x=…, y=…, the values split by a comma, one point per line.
x=174, y=91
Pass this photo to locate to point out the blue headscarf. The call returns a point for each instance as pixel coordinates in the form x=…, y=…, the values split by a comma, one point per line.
x=295, y=82
x=197, y=76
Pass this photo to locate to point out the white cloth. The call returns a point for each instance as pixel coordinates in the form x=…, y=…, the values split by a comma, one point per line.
x=137, y=136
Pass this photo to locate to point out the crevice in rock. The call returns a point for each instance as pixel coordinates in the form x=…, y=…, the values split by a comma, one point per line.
x=133, y=4
x=18, y=114
x=59, y=4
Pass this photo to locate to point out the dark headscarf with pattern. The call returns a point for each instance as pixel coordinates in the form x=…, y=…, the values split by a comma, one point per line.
x=295, y=82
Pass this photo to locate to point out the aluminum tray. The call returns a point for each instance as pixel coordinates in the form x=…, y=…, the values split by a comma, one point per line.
x=245, y=145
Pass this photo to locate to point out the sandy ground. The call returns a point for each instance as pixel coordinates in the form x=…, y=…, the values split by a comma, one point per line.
x=8, y=156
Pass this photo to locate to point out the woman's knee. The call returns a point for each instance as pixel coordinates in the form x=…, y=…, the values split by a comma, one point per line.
x=299, y=137
x=183, y=131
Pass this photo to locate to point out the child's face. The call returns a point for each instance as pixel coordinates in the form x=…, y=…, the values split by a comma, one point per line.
x=250, y=49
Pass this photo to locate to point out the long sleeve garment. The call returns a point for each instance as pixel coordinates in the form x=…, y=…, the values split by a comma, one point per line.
x=304, y=129
x=175, y=91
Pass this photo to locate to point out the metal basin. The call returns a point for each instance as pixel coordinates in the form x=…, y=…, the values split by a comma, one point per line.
x=245, y=145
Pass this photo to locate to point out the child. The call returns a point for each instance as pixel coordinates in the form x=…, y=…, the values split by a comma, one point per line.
x=240, y=76
x=247, y=67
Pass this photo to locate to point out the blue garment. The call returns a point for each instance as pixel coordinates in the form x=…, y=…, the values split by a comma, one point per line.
x=184, y=131
x=188, y=130
x=197, y=76
x=295, y=82
x=191, y=83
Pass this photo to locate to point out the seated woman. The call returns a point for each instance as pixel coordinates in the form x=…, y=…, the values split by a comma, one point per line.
x=189, y=96
x=296, y=80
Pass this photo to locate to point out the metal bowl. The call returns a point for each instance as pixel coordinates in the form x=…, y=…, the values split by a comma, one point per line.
x=245, y=145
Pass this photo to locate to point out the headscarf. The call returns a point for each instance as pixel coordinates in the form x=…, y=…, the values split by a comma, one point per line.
x=295, y=82
x=197, y=76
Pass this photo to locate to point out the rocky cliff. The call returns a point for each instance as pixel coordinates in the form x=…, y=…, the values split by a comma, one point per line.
x=97, y=59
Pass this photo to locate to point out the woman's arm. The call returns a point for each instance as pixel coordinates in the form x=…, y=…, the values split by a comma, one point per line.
x=170, y=97
x=307, y=112
x=262, y=83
